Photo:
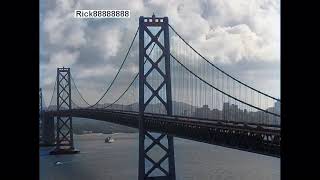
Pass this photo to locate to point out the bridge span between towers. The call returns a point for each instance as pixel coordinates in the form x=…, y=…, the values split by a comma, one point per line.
x=252, y=137
x=177, y=92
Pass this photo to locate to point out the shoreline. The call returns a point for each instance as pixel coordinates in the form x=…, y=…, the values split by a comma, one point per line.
x=99, y=134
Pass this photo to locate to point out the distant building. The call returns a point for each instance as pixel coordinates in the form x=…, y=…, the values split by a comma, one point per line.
x=202, y=112
x=230, y=112
x=277, y=106
x=215, y=114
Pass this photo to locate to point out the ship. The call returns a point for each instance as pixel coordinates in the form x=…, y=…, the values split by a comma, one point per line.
x=109, y=140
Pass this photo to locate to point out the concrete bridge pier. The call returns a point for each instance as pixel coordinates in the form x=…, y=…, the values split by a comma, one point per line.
x=47, y=131
x=64, y=137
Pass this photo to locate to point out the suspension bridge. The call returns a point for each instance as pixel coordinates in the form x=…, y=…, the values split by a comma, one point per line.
x=166, y=89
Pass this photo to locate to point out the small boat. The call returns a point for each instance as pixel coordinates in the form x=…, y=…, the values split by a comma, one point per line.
x=58, y=163
x=109, y=140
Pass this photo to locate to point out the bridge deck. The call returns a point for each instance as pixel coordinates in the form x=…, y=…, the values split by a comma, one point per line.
x=262, y=139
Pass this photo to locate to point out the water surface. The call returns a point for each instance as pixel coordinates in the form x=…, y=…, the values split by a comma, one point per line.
x=119, y=161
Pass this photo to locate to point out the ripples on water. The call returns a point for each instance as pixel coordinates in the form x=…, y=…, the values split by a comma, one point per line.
x=119, y=161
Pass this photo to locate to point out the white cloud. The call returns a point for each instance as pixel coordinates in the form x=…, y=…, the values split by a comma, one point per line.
x=61, y=28
x=226, y=32
x=107, y=40
x=97, y=72
x=236, y=43
x=63, y=58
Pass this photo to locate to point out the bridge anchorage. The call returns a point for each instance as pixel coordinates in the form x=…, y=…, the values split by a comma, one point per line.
x=161, y=39
x=64, y=133
x=46, y=125
x=40, y=114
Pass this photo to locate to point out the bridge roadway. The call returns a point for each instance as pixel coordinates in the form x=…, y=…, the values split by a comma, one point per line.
x=257, y=138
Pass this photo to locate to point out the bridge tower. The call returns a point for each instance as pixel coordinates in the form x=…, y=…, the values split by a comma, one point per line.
x=162, y=28
x=64, y=133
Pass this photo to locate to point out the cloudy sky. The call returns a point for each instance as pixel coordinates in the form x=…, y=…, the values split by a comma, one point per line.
x=240, y=36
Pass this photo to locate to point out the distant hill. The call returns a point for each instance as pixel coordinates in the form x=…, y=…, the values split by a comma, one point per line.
x=83, y=124
x=156, y=108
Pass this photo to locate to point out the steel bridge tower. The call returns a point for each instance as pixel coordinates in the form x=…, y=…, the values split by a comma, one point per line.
x=64, y=133
x=145, y=26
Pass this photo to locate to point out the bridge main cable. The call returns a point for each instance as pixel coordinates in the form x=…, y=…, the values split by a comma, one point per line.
x=219, y=68
x=118, y=70
x=130, y=83
x=109, y=87
x=113, y=81
x=79, y=92
x=54, y=87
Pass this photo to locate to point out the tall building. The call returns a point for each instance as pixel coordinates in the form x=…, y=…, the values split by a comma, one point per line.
x=203, y=112
x=277, y=106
